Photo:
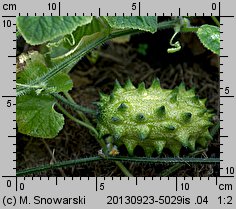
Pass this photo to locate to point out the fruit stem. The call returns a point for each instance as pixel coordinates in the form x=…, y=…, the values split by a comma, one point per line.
x=90, y=127
x=73, y=105
x=80, y=113
x=85, y=119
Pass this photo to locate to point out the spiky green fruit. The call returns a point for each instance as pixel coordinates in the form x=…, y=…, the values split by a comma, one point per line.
x=154, y=118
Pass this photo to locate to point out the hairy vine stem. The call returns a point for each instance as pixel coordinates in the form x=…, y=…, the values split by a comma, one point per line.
x=79, y=54
x=189, y=29
x=116, y=159
x=70, y=59
x=73, y=105
x=165, y=160
x=56, y=165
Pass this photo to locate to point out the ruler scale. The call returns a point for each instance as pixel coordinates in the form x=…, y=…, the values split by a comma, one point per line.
x=116, y=192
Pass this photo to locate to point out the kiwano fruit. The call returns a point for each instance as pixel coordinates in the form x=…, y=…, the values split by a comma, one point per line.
x=153, y=118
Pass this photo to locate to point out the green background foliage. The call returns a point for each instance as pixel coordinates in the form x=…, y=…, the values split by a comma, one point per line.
x=37, y=30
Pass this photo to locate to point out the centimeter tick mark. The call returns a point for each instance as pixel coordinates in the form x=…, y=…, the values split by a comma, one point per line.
x=96, y=184
x=224, y=56
x=59, y=8
x=225, y=96
x=176, y=184
x=139, y=8
x=8, y=96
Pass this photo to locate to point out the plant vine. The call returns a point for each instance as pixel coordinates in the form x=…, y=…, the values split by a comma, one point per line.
x=40, y=86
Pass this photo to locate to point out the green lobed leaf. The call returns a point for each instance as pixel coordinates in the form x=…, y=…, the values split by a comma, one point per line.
x=148, y=24
x=76, y=39
x=78, y=42
x=209, y=35
x=38, y=30
x=35, y=116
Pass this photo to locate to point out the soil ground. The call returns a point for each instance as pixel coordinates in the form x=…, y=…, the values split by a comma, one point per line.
x=194, y=65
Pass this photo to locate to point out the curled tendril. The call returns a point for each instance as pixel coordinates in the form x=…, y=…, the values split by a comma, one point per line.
x=70, y=39
x=175, y=46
